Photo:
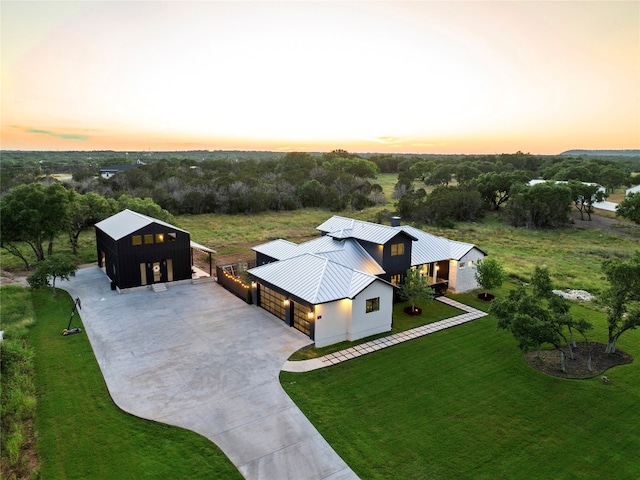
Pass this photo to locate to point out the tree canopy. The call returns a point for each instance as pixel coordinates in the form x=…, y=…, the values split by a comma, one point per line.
x=622, y=297
x=33, y=214
x=415, y=288
x=629, y=208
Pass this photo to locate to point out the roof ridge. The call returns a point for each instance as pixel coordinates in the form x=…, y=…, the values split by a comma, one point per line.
x=324, y=269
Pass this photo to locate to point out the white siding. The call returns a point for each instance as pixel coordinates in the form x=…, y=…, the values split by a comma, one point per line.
x=348, y=319
x=331, y=322
x=463, y=279
x=364, y=324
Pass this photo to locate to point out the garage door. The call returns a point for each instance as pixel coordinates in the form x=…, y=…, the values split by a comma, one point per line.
x=273, y=302
x=301, y=320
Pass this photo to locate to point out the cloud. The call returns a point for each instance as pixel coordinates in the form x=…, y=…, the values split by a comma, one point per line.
x=389, y=140
x=66, y=136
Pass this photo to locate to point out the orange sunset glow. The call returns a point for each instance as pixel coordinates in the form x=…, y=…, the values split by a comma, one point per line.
x=411, y=77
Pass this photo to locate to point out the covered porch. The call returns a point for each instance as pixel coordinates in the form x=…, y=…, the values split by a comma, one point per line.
x=199, y=271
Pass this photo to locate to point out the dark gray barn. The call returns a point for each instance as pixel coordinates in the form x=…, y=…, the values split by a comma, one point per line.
x=137, y=250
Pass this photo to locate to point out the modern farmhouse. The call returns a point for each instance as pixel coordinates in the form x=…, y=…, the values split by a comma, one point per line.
x=135, y=250
x=340, y=286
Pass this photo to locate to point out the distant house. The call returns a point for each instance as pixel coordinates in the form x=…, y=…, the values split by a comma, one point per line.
x=340, y=286
x=631, y=190
x=110, y=171
x=136, y=250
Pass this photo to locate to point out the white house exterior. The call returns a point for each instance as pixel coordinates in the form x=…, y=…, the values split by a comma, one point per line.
x=341, y=286
x=348, y=319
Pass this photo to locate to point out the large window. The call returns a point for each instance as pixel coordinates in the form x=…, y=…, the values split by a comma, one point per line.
x=373, y=304
x=397, y=249
x=396, y=279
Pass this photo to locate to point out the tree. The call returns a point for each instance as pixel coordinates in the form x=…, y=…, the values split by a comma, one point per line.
x=441, y=175
x=495, y=188
x=541, y=283
x=544, y=205
x=612, y=177
x=33, y=214
x=490, y=274
x=86, y=210
x=525, y=317
x=629, y=208
x=415, y=288
x=584, y=195
x=145, y=206
x=533, y=324
x=622, y=298
x=465, y=173
x=53, y=267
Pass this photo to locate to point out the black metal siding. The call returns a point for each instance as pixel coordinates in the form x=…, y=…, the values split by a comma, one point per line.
x=126, y=257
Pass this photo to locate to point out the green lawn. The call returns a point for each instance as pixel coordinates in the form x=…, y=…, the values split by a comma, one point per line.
x=463, y=404
x=432, y=312
x=82, y=434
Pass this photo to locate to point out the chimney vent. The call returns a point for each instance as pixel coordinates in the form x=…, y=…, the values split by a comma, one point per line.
x=395, y=221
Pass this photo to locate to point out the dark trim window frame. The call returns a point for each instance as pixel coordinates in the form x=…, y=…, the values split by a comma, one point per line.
x=373, y=304
x=397, y=249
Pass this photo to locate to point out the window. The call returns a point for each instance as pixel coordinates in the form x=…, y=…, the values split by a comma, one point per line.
x=397, y=249
x=159, y=237
x=462, y=265
x=172, y=236
x=148, y=238
x=396, y=279
x=373, y=304
x=136, y=240
x=470, y=263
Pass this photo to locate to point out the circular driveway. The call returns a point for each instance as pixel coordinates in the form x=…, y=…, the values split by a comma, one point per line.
x=197, y=357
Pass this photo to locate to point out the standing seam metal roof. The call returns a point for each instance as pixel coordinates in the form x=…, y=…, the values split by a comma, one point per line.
x=348, y=253
x=314, y=279
x=341, y=227
x=126, y=222
x=432, y=248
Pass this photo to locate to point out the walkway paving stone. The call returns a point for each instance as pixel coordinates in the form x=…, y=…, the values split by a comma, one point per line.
x=389, y=341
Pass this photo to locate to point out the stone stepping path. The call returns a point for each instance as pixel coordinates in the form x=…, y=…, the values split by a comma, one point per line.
x=385, y=342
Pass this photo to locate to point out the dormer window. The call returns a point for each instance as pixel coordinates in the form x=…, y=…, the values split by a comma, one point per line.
x=397, y=249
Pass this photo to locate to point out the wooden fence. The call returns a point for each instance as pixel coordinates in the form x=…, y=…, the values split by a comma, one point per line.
x=227, y=276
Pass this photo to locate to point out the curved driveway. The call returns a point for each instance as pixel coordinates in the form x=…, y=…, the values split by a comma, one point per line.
x=198, y=357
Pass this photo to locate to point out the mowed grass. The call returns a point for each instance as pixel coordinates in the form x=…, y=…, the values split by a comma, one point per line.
x=432, y=312
x=82, y=434
x=463, y=404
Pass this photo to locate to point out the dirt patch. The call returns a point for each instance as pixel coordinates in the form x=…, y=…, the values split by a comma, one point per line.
x=610, y=224
x=19, y=278
x=549, y=361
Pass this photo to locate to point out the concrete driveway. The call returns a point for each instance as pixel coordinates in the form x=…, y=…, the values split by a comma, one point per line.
x=198, y=357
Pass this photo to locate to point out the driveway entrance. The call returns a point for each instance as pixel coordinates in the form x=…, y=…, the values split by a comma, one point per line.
x=198, y=357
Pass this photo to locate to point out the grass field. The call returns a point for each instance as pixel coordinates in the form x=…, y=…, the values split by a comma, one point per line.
x=463, y=404
x=457, y=404
x=82, y=434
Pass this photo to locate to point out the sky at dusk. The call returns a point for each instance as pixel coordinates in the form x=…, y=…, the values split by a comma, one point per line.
x=410, y=77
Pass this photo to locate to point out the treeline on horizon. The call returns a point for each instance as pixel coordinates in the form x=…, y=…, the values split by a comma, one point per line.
x=461, y=187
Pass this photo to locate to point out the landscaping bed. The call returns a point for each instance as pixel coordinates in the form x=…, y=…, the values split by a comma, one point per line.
x=548, y=361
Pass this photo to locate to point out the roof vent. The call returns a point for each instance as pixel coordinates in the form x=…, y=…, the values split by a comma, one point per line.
x=395, y=221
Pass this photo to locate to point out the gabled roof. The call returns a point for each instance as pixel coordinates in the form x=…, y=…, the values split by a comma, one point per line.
x=342, y=227
x=278, y=249
x=348, y=253
x=314, y=278
x=432, y=248
x=127, y=222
